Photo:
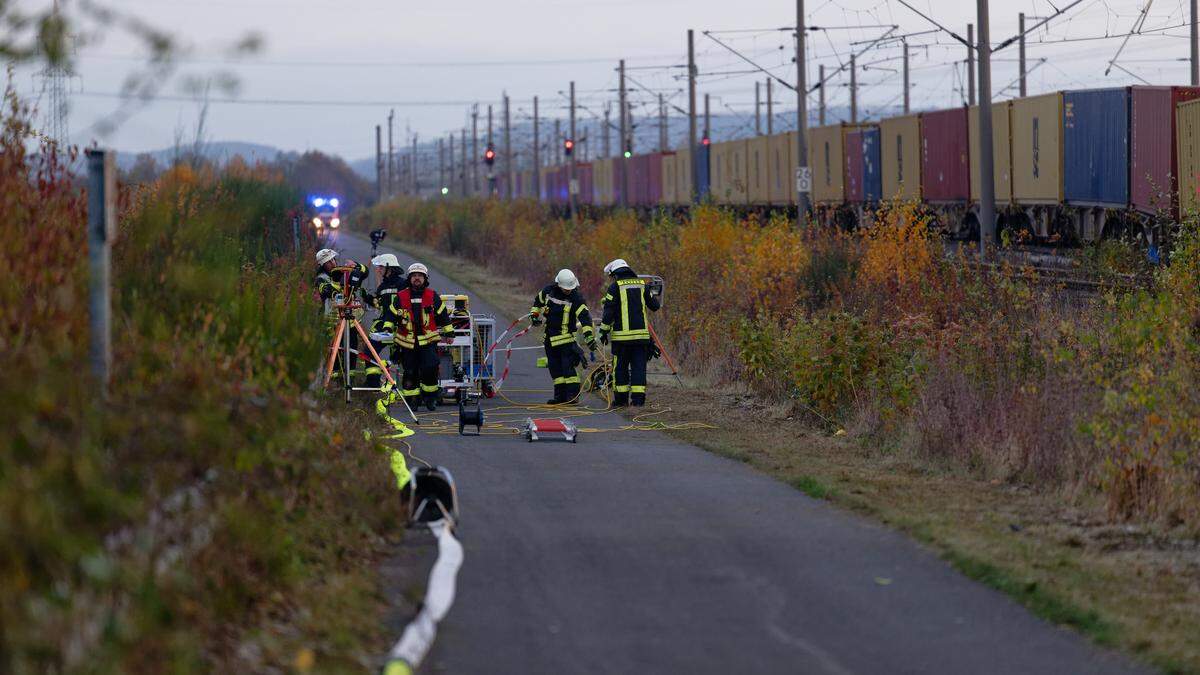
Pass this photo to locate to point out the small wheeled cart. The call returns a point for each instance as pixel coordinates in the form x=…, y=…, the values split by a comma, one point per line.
x=463, y=363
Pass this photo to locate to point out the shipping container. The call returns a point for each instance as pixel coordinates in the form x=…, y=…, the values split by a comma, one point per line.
x=584, y=176
x=703, y=180
x=826, y=153
x=683, y=177
x=620, y=172
x=655, y=184
x=945, y=160
x=602, y=182
x=729, y=181
x=853, y=165
x=670, y=196
x=1096, y=147
x=1153, y=155
x=757, y=174
x=780, y=169
x=1187, y=137
x=900, y=157
x=1001, y=151
x=1037, y=152
x=872, y=169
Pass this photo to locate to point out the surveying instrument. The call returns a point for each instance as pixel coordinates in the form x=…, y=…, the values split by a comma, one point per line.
x=346, y=307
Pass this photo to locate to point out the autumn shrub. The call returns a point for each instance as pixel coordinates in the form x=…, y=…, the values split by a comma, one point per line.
x=988, y=368
x=202, y=518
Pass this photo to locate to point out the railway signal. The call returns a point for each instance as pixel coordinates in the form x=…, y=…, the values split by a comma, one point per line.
x=568, y=146
x=489, y=155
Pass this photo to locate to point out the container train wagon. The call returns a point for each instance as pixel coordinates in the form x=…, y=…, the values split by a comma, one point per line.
x=1069, y=165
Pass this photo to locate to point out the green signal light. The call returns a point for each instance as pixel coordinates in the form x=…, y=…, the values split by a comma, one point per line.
x=445, y=190
x=628, y=154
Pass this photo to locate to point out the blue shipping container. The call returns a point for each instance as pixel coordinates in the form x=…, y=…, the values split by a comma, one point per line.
x=872, y=174
x=1096, y=147
x=702, y=160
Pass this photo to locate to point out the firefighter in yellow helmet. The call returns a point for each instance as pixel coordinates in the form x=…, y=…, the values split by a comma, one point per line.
x=627, y=305
x=562, y=308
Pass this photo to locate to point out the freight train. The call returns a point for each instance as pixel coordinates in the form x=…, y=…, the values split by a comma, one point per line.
x=1069, y=166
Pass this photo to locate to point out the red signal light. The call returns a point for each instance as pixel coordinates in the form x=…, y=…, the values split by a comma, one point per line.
x=568, y=146
x=705, y=141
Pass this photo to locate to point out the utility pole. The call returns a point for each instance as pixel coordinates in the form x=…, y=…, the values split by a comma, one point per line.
x=450, y=174
x=391, y=158
x=463, y=167
x=987, y=187
x=607, y=124
x=475, y=150
x=1021, y=48
x=853, y=91
x=1195, y=41
x=692, y=117
x=537, y=154
x=707, y=119
x=821, y=95
x=378, y=163
x=102, y=225
x=416, y=183
x=802, y=119
x=904, y=43
x=971, y=64
x=572, y=186
x=770, y=119
x=555, y=152
x=491, y=175
x=624, y=142
x=662, y=124
x=508, y=163
x=441, y=168
x=758, y=110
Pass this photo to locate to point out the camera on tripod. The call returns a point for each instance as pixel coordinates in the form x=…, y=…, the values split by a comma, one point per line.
x=376, y=237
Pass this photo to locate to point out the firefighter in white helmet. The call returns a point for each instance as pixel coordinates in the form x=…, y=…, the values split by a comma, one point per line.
x=562, y=308
x=423, y=322
x=391, y=280
x=331, y=282
x=626, y=322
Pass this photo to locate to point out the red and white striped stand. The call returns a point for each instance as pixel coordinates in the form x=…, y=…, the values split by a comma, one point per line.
x=549, y=426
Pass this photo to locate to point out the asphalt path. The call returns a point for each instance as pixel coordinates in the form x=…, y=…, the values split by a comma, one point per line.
x=634, y=552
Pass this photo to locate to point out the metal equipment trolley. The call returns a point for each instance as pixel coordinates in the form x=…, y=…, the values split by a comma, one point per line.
x=463, y=366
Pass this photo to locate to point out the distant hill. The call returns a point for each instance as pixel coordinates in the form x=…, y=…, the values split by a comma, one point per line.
x=216, y=151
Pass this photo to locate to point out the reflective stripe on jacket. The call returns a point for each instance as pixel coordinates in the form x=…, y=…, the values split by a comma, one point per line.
x=626, y=308
x=564, y=312
x=432, y=319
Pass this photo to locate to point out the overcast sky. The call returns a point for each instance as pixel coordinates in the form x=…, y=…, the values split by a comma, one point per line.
x=428, y=59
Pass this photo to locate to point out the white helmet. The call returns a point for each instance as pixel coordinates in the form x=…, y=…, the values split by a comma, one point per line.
x=417, y=267
x=566, y=280
x=385, y=260
x=614, y=266
x=325, y=255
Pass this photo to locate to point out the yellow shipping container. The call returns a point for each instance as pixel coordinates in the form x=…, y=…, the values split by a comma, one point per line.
x=669, y=182
x=729, y=181
x=683, y=176
x=780, y=170
x=1187, y=140
x=1001, y=151
x=827, y=159
x=900, y=157
x=602, y=178
x=1037, y=149
x=758, y=175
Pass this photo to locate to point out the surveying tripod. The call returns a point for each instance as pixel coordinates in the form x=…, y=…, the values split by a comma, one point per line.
x=346, y=322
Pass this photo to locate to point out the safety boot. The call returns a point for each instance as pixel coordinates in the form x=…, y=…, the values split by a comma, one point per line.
x=570, y=393
x=620, y=399
x=637, y=399
x=557, y=395
x=431, y=401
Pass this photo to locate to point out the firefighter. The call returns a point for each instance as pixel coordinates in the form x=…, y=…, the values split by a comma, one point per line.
x=561, y=306
x=391, y=282
x=329, y=287
x=423, y=321
x=626, y=324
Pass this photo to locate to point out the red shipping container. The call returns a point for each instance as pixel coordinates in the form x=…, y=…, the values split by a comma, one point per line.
x=583, y=173
x=639, y=177
x=1153, y=160
x=853, y=165
x=945, y=156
